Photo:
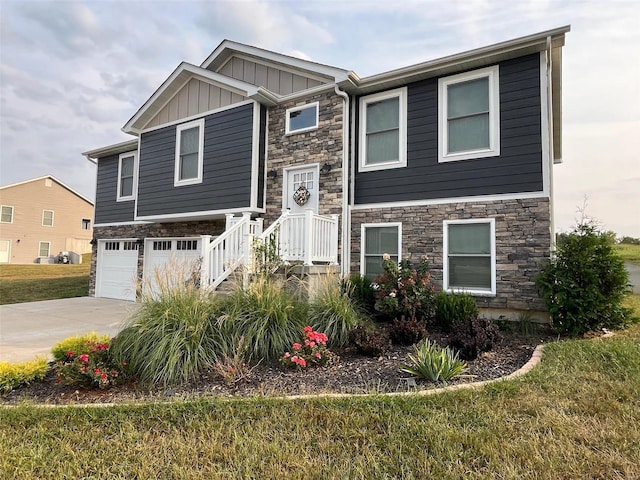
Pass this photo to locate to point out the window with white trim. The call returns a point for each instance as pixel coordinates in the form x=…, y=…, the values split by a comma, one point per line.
x=379, y=239
x=383, y=130
x=126, y=176
x=6, y=214
x=189, y=153
x=44, y=249
x=469, y=115
x=47, y=218
x=302, y=119
x=470, y=256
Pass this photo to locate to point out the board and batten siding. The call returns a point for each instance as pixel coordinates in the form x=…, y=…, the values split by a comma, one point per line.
x=108, y=210
x=226, y=176
x=518, y=169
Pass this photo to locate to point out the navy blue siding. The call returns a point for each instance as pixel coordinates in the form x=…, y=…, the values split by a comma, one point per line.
x=107, y=210
x=517, y=169
x=226, y=176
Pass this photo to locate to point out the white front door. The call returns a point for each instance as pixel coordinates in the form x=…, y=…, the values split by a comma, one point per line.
x=5, y=251
x=301, y=188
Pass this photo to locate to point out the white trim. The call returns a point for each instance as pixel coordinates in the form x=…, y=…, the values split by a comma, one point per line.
x=196, y=215
x=198, y=116
x=445, y=256
x=52, y=217
x=121, y=147
x=280, y=66
x=12, y=212
x=364, y=226
x=309, y=92
x=493, y=74
x=546, y=128
x=255, y=155
x=40, y=242
x=401, y=93
x=119, y=224
x=177, y=182
x=440, y=201
x=121, y=157
x=289, y=111
x=285, y=184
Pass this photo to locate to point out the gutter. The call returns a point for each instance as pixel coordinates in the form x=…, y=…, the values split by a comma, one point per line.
x=345, y=264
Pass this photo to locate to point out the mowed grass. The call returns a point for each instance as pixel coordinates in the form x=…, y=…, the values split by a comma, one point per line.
x=31, y=283
x=574, y=416
x=629, y=253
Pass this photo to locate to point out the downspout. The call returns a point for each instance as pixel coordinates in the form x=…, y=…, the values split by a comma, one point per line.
x=552, y=225
x=345, y=264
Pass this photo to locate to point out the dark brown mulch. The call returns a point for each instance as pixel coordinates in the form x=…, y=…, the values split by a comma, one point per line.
x=353, y=374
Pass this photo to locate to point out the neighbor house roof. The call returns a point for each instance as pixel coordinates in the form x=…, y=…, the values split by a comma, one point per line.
x=53, y=179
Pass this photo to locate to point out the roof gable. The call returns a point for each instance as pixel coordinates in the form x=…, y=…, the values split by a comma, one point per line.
x=53, y=179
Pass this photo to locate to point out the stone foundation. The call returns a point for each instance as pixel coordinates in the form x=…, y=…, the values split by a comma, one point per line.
x=523, y=241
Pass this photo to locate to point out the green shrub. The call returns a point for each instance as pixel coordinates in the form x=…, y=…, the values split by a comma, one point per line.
x=360, y=290
x=269, y=313
x=95, y=368
x=474, y=336
x=14, y=375
x=434, y=363
x=173, y=336
x=369, y=341
x=585, y=284
x=77, y=345
x=453, y=309
x=403, y=291
x=333, y=312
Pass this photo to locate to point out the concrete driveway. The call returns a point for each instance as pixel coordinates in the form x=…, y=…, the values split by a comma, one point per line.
x=30, y=329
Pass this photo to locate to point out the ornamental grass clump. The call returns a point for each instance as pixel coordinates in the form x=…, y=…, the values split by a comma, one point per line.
x=174, y=335
x=432, y=362
x=333, y=312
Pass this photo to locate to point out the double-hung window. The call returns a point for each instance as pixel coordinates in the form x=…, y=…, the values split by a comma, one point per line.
x=470, y=256
x=44, y=249
x=379, y=239
x=126, y=176
x=6, y=214
x=469, y=115
x=189, y=153
x=47, y=218
x=383, y=130
x=302, y=119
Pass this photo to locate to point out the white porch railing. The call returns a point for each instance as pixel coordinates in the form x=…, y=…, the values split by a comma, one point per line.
x=298, y=237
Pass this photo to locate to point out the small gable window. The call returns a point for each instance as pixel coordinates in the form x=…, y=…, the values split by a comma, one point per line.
x=469, y=115
x=126, y=176
x=47, y=218
x=383, y=130
x=302, y=119
x=189, y=153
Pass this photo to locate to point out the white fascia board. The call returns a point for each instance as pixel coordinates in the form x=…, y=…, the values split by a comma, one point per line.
x=535, y=42
x=116, y=148
x=203, y=215
x=228, y=47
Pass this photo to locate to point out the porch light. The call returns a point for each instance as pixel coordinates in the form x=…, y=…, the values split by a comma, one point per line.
x=272, y=174
x=326, y=168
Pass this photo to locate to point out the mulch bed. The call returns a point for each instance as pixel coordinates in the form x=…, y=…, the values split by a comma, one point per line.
x=353, y=374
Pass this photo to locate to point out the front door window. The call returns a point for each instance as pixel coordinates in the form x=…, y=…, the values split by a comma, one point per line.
x=302, y=190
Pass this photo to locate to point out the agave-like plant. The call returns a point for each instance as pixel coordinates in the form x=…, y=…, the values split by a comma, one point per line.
x=434, y=363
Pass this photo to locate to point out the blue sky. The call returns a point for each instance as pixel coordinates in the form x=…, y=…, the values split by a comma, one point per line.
x=72, y=73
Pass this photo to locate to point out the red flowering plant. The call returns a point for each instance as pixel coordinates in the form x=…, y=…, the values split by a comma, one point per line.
x=403, y=291
x=311, y=351
x=93, y=369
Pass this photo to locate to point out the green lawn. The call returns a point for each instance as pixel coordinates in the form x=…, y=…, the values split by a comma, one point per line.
x=629, y=253
x=30, y=283
x=574, y=416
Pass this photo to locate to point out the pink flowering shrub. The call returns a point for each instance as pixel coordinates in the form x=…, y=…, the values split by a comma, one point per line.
x=403, y=291
x=312, y=351
x=92, y=369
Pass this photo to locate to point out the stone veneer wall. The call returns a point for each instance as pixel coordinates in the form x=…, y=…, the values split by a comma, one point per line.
x=149, y=230
x=323, y=145
x=523, y=240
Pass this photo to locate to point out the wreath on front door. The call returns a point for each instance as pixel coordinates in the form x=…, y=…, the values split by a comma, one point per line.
x=301, y=195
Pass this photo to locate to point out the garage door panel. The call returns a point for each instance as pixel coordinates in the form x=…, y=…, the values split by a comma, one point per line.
x=117, y=269
x=169, y=260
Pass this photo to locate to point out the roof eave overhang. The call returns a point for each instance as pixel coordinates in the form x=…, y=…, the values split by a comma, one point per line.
x=115, y=149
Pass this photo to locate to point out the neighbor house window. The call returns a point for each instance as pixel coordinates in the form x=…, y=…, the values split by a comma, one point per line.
x=189, y=153
x=44, y=249
x=378, y=239
x=47, y=218
x=383, y=130
x=302, y=119
x=126, y=176
x=6, y=214
x=469, y=115
x=86, y=224
x=470, y=256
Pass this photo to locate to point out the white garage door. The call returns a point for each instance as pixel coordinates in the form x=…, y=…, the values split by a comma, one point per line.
x=167, y=260
x=117, y=269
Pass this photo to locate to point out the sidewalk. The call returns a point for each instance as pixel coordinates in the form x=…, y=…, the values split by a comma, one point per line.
x=30, y=329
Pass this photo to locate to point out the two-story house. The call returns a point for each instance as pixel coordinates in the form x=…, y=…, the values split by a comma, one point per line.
x=42, y=217
x=451, y=158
